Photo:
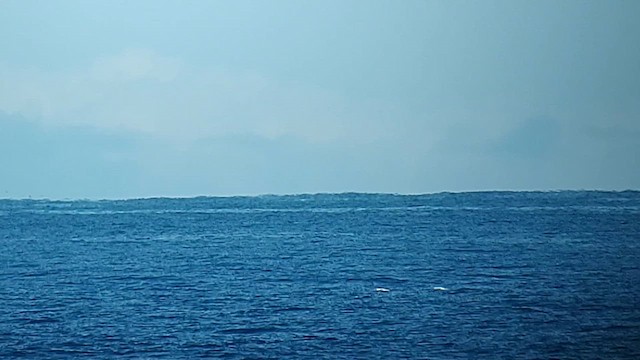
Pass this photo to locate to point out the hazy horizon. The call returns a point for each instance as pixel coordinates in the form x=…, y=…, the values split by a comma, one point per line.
x=97, y=199
x=121, y=99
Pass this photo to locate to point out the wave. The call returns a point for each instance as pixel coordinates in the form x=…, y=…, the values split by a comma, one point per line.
x=527, y=201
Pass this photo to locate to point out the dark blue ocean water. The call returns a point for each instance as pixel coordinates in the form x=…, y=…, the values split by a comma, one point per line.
x=498, y=275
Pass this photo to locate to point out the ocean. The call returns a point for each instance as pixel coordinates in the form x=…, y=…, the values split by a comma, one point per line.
x=482, y=275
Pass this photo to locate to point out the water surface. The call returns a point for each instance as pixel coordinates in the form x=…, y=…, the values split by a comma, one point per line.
x=471, y=275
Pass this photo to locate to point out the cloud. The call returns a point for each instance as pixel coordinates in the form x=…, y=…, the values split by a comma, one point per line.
x=534, y=138
x=135, y=65
x=142, y=91
x=65, y=162
x=84, y=162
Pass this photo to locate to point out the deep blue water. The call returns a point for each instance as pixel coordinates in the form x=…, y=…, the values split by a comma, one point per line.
x=526, y=275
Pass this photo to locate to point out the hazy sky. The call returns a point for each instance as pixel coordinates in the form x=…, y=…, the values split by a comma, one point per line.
x=114, y=99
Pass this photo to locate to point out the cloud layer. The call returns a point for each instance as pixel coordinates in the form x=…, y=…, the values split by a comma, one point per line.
x=187, y=98
x=141, y=91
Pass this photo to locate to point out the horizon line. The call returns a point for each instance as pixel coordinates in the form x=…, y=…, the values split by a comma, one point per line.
x=186, y=197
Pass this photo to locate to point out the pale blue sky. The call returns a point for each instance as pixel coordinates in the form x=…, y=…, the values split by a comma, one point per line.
x=118, y=99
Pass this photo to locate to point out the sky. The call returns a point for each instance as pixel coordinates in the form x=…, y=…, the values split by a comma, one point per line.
x=144, y=98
